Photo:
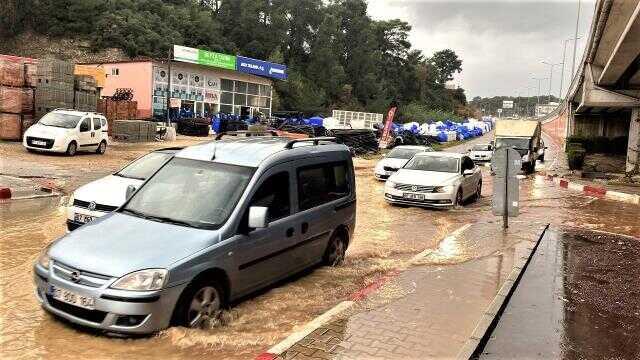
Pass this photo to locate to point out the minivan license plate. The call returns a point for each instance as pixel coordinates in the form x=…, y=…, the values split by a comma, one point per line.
x=72, y=298
x=38, y=142
x=81, y=218
x=413, y=196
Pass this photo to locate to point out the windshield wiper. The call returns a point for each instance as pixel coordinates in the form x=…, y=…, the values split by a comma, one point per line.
x=161, y=219
x=130, y=177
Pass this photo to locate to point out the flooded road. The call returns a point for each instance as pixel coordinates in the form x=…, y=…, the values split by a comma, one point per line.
x=386, y=239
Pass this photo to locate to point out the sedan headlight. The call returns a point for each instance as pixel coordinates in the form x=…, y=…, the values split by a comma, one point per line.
x=143, y=280
x=443, y=189
x=44, y=258
x=390, y=184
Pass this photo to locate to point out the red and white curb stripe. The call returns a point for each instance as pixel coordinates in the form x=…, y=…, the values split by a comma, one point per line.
x=596, y=191
x=359, y=295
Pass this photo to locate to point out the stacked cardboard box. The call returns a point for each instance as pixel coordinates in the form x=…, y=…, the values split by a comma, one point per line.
x=16, y=96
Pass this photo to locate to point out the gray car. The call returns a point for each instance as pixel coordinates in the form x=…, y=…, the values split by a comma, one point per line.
x=215, y=223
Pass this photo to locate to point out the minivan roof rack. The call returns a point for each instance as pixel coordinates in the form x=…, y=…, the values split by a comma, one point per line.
x=315, y=140
x=246, y=133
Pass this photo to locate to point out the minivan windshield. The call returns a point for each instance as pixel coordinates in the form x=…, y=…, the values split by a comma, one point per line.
x=433, y=163
x=67, y=121
x=145, y=166
x=399, y=153
x=193, y=193
x=516, y=143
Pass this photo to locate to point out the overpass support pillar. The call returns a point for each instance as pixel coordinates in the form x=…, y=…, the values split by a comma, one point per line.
x=633, y=150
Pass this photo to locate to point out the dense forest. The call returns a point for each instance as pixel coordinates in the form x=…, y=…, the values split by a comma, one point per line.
x=338, y=56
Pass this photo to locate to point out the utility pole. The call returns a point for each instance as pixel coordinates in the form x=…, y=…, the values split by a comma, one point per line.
x=564, y=53
x=575, y=42
x=169, y=87
x=551, y=65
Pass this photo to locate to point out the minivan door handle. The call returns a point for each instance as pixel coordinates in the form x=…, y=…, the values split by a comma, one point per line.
x=290, y=232
x=305, y=227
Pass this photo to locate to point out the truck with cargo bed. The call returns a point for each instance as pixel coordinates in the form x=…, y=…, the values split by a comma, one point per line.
x=524, y=137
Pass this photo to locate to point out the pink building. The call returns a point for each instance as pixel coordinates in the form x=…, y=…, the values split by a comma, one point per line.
x=201, y=89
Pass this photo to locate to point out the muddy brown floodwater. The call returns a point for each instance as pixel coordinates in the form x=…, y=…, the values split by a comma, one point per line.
x=385, y=238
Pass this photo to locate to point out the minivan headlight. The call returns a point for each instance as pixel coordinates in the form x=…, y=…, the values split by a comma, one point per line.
x=44, y=258
x=143, y=280
x=390, y=184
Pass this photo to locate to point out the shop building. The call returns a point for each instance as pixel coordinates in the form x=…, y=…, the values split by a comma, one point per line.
x=201, y=89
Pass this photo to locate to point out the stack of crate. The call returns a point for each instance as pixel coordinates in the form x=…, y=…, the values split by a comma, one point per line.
x=133, y=130
x=16, y=96
x=55, y=85
x=86, y=94
x=117, y=110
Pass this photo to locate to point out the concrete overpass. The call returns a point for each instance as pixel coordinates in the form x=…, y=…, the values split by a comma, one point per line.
x=604, y=96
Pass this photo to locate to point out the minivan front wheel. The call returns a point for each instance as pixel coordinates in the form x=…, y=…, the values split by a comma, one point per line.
x=101, y=148
x=72, y=148
x=335, y=253
x=201, y=305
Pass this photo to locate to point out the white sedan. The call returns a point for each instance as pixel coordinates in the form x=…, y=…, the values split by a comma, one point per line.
x=435, y=179
x=395, y=159
x=104, y=195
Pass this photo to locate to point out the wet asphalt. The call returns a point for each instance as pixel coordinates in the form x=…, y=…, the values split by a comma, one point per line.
x=385, y=238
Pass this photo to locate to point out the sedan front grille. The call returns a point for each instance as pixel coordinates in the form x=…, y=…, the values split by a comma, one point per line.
x=79, y=276
x=98, y=207
x=415, y=188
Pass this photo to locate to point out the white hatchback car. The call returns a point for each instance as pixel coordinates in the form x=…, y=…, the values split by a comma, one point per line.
x=68, y=131
x=102, y=196
x=435, y=179
x=396, y=158
x=481, y=152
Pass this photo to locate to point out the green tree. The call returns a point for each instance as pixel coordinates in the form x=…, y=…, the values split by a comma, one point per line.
x=446, y=63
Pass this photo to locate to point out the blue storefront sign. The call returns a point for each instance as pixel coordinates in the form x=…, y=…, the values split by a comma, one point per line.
x=261, y=68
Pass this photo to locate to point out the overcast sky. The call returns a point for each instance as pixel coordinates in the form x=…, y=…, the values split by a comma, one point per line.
x=501, y=43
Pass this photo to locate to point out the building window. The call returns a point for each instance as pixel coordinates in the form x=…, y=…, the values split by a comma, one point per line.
x=226, y=85
x=226, y=98
x=115, y=71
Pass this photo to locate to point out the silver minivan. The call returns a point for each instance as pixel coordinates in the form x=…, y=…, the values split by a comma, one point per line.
x=215, y=223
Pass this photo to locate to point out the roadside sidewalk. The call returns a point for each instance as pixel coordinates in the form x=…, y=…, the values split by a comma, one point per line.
x=592, y=189
x=439, y=305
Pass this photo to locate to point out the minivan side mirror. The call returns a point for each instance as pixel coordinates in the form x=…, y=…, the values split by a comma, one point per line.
x=258, y=217
x=467, y=172
x=130, y=190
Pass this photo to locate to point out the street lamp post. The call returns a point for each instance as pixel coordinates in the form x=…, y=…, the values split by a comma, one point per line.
x=539, y=85
x=564, y=53
x=551, y=65
x=575, y=41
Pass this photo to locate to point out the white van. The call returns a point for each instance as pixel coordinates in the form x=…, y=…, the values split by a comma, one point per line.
x=68, y=131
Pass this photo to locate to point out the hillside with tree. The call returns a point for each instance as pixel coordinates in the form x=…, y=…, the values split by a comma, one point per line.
x=338, y=56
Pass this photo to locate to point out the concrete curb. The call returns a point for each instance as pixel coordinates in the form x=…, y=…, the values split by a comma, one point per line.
x=26, y=193
x=596, y=191
x=491, y=315
x=327, y=316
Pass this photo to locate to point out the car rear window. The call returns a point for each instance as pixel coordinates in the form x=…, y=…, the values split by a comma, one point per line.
x=320, y=184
